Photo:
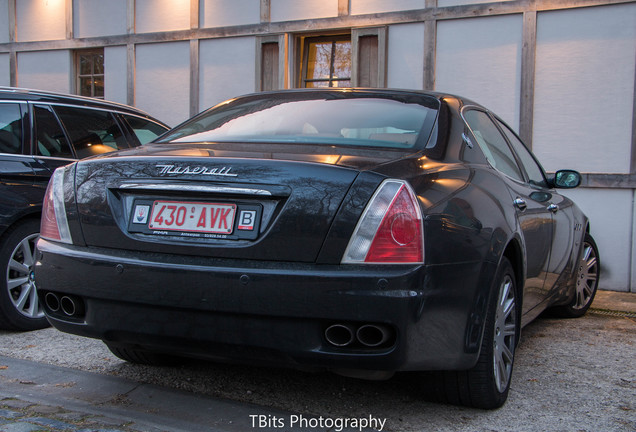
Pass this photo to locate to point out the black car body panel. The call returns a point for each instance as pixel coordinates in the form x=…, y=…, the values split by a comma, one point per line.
x=274, y=296
x=40, y=132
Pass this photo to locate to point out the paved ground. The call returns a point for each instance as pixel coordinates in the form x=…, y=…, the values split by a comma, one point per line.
x=570, y=375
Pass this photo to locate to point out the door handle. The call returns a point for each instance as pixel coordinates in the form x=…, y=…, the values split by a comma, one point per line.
x=553, y=208
x=520, y=204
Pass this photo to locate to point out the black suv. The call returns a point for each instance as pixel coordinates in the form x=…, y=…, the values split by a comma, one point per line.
x=40, y=131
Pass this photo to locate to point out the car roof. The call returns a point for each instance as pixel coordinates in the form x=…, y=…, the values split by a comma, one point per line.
x=22, y=94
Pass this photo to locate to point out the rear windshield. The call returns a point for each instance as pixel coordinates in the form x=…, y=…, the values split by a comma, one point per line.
x=366, y=120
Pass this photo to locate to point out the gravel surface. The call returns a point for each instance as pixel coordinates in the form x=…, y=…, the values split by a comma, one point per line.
x=570, y=375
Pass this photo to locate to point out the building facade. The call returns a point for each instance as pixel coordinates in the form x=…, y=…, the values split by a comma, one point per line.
x=560, y=72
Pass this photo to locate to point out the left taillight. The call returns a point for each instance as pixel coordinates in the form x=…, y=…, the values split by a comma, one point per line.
x=390, y=229
x=54, y=224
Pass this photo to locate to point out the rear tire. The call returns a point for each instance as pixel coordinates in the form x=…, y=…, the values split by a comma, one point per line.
x=587, y=279
x=19, y=306
x=486, y=385
x=135, y=355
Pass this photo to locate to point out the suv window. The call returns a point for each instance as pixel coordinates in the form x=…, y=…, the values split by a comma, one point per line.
x=533, y=169
x=91, y=131
x=492, y=143
x=49, y=135
x=144, y=129
x=10, y=128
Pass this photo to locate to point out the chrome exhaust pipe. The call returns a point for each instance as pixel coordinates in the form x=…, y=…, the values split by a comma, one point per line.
x=72, y=306
x=52, y=301
x=339, y=335
x=373, y=335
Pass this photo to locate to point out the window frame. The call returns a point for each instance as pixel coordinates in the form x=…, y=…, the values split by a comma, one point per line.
x=303, y=57
x=79, y=76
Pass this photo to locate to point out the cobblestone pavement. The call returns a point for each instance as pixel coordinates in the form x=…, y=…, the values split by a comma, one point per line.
x=20, y=416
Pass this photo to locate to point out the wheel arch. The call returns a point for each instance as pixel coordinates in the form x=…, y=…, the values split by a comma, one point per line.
x=8, y=229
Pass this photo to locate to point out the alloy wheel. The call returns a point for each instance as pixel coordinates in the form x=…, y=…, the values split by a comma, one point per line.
x=21, y=281
x=504, y=334
x=587, y=277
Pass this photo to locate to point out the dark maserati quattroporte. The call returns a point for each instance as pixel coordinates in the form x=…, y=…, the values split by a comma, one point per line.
x=360, y=231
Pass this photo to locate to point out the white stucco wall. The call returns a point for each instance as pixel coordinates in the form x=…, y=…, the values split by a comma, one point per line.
x=115, y=75
x=4, y=21
x=39, y=20
x=289, y=10
x=611, y=216
x=584, y=88
x=162, y=81
x=45, y=70
x=222, y=13
x=360, y=7
x=405, y=63
x=5, y=74
x=161, y=15
x=93, y=18
x=480, y=58
x=226, y=69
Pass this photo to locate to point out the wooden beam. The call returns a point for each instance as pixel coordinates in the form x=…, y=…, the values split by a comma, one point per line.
x=130, y=17
x=194, y=14
x=266, y=11
x=68, y=5
x=633, y=161
x=528, y=60
x=430, y=51
x=344, y=7
x=194, y=77
x=131, y=67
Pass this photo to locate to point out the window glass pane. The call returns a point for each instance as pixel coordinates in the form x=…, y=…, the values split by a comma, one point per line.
x=49, y=136
x=532, y=167
x=492, y=143
x=98, y=87
x=319, y=62
x=342, y=61
x=10, y=129
x=91, y=131
x=86, y=86
x=98, y=64
x=145, y=130
x=86, y=67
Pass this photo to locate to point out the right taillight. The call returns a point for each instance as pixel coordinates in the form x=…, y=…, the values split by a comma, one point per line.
x=54, y=225
x=390, y=228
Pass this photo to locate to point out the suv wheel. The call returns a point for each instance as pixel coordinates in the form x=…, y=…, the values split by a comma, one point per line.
x=19, y=305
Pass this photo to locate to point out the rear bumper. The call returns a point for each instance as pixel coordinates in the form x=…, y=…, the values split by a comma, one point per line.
x=268, y=312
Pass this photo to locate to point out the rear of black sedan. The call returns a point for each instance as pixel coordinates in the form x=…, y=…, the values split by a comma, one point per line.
x=357, y=231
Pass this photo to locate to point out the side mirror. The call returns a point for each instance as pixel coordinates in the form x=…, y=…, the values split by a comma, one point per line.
x=566, y=179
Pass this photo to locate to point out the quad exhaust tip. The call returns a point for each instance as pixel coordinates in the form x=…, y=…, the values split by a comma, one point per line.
x=368, y=335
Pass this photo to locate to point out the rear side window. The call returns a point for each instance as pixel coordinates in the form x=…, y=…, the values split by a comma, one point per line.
x=10, y=128
x=49, y=135
x=493, y=144
x=144, y=129
x=91, y=131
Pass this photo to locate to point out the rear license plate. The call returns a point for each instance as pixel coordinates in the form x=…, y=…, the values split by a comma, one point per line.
x=213, y=218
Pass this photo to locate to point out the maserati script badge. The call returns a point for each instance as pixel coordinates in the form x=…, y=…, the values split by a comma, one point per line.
x=194, y=170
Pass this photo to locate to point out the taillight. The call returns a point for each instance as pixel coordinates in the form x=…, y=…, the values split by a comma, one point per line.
x=54, y=225
x=390, y=228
